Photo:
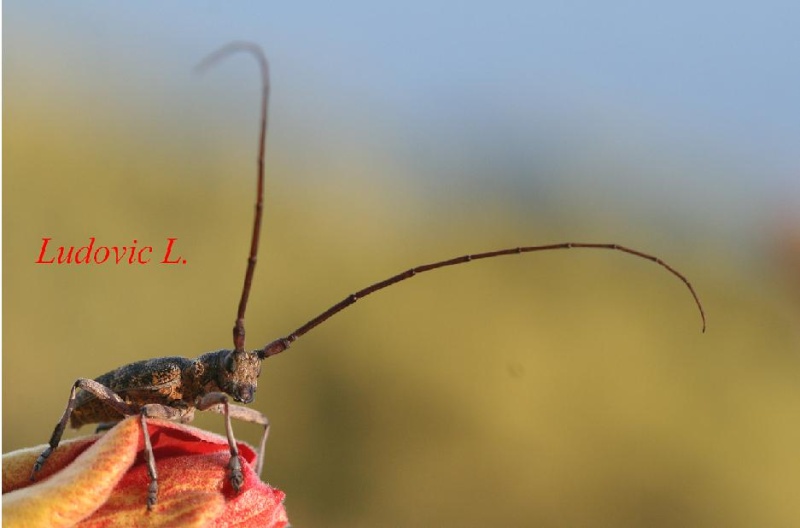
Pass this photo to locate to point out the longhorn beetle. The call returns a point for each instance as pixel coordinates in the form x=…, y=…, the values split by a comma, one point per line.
x=174, y=387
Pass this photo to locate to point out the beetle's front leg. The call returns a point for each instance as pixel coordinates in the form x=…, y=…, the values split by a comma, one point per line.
x=221, y=399
x=246, y=414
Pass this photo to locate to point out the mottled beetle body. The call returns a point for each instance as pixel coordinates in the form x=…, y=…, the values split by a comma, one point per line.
x=158, y=380
x=175, y=387
x=172, y=381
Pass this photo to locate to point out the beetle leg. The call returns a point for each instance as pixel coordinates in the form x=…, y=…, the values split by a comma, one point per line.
x=102, y=393
x=155, y=410
x=220, y=399
x=152, y=488
x=246, y=414
x=105, y=426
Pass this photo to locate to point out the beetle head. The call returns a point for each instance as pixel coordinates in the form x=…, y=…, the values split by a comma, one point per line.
x=237, y=374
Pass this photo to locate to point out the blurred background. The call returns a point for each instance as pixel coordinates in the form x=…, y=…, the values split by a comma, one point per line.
x=558, y=389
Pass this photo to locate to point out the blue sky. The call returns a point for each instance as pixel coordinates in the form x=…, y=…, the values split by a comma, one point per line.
x=708, y=89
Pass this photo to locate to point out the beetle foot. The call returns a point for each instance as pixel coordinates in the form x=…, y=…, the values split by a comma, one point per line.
x=37, y=466
x=236, y=477
x=152, y=494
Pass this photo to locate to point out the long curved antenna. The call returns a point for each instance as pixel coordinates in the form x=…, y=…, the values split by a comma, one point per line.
x=258, y=53
x=279, y=345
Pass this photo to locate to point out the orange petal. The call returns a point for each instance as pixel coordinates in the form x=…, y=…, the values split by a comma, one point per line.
x=256, y=505
x=195, y=508
x=17, y=465
x=194, y=489
x=76, y=491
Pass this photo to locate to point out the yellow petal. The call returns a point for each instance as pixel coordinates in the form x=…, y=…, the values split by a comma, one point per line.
x=73, y=493
x=17, y=465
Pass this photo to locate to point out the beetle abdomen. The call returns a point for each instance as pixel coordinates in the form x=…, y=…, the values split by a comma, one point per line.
x=149, y=381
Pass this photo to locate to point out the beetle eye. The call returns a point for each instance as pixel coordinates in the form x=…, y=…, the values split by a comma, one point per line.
x=230, y=362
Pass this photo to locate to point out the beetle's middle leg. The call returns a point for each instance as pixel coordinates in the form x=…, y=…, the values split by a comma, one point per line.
x=102, y=393
x=156, y=410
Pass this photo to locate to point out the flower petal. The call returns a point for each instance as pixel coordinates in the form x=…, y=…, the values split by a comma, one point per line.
x=256, y=505
x=171, y=439
x=17, y=465
x=76, y=491
x=193, y=491
x=192, y=466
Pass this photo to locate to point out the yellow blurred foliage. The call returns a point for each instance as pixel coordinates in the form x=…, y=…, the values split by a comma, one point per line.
x=561, y=389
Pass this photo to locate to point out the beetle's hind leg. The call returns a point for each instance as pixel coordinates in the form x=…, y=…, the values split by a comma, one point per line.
x=102, y=393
